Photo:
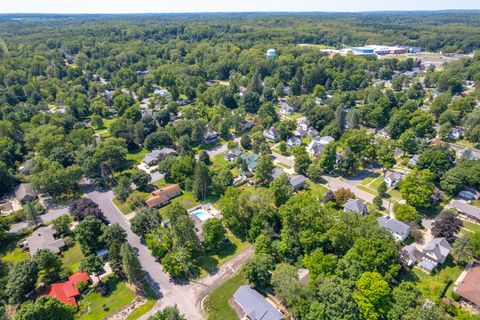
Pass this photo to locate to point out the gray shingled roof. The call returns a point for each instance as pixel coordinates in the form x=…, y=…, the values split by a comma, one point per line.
x=439, y=246
x=254, y=305
x=43, y=238
x=394, y=225
x=465, y=208
x=354, y=205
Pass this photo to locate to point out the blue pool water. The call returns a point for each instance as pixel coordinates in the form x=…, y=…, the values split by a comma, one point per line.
x=202, y=215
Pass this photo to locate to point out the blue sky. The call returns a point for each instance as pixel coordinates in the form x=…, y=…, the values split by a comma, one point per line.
x=154, y=6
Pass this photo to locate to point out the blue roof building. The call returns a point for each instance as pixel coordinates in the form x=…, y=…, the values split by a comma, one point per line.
x=254, y=305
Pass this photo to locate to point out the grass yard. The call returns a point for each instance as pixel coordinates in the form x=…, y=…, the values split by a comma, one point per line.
x=151, y=299
x=316, y=188
x=216, y=304
x=10, y=252
x=283, y=165
x=121, y=206
x=106, y=124
x=367, y=190
x=15, y=255
x=118, y=297
x=370, y=179
x=432, y=286
x=209, y=263
x=471, y=226
x=71, y=258
x=137, y=155
x=219, y=162
x=376, y=183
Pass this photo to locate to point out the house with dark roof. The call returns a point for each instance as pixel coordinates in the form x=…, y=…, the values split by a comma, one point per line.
x=409, y=255
x=162, y=196
x=210, y=137
x=315, y=149
x=399, y=230
x=25, y=193
x=355, y=205
x=297, y=182
x=155, y=156
x=413, y=161
x=67, y=291
x=44, y=238
x=467, y=285
x=254, y=305
x=392, y=178
x=271, y=134
x=437, y=249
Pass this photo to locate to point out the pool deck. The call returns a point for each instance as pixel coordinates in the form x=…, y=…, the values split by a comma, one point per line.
x=208, y=209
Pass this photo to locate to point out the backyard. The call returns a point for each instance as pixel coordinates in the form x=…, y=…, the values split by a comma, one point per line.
x=210, y=262
x=217, y=305
x=432, y=286
x=71, y=259
x=10, y=252
x=95, y=306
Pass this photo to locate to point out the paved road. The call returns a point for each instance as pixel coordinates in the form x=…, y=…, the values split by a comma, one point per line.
x=285, y=160
x=187, y=296
x=335, y=184
x=47, y=217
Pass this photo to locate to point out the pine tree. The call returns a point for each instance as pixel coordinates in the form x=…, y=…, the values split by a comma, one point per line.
x=130, y=264
x=201, y=180
x=353, y=120
x=32, y=215
x=340, y=117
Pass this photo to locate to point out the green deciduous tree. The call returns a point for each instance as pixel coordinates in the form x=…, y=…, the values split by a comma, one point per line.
x=281, y=189
x=372, y=296
x=22, y=279
x=88, y=234
x=46, y=308
x=264, y=169
x=213, y=233
x=417, y=188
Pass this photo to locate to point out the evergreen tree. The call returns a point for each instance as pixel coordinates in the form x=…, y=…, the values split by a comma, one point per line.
x=202, y=180
x=130, y=264
x=32, y=215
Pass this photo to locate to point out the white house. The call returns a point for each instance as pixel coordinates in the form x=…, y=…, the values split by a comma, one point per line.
x=286, y=109
x=293, y=142
x=398, y=229
x=392, y=178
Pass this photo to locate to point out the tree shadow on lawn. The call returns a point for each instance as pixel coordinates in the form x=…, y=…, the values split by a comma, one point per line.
x=211, y=264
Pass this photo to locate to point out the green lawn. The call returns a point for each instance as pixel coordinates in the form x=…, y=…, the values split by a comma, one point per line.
x=71, y=258
x=210, y=263
x=9, y=250
x=367, y=190
x=376, y=183
x=118, y=297
x=137, y=155
x=432, y=286
x=15, y=255
x=316, y=188
x=471, y=226
x=219, y=162
x=151, y=299
x=106, y=124
x=216, y=304
x=370, y=179
x=121, y=206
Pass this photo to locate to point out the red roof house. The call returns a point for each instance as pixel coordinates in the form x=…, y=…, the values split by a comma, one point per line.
x=67, y=291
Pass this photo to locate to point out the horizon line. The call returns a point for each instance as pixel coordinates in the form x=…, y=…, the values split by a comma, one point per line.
x=241, y=12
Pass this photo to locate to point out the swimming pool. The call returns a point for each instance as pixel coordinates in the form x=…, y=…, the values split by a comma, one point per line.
x=202, y=215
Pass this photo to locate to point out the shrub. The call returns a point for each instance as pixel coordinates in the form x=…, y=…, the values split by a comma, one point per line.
x=342, y=195
x=82, y=286
x=102, y=288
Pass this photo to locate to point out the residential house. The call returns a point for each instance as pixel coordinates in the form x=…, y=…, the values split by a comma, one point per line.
x=398, y=152
x=67, y=291
x=302, y=129
x=467, y=154
x=25, y=193
x=466, y=212
x=434, y=253
x=413, y=161
x=399, y=230
x=247, y=125
x=210, y=137
x=410, y=255
x=112, y=112
x=26, y=167
x=297, y=182
x=355, y=205
x=286, y=109
x=392, y=178
x=250, y=161
x=456, y=133
x=162, y=196
x=467, y=285
x=272, y=134
x=315, y=149
x=303, y=275
x=293, y=142
x=146, y=113
x=44, y=238
x=161, y=92
x=183, y=101
x=232, y=155
x=326, y=140
x=155, y=156
x=254, y=305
